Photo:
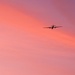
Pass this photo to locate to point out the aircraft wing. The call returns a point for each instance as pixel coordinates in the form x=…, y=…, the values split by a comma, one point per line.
x=47, y=27
x=57, y=26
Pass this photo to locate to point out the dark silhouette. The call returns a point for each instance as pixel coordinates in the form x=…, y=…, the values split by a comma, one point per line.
x=53, y=26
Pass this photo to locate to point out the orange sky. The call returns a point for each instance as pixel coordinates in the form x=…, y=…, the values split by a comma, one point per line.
x=28, y=49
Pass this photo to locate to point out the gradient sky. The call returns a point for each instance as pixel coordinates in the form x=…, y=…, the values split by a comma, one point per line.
x=28, y=49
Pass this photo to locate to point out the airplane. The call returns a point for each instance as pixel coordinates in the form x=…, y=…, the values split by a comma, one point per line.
x=53, y=26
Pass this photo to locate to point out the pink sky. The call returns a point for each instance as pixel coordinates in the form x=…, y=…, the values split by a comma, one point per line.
x=28, y=49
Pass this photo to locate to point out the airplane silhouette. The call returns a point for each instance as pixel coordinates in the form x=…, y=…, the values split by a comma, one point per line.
x=53, y=26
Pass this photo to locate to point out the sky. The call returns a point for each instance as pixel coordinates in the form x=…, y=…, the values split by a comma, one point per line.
x=26, y=48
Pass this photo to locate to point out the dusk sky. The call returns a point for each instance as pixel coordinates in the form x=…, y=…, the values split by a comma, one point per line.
x=26, y=48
